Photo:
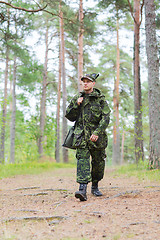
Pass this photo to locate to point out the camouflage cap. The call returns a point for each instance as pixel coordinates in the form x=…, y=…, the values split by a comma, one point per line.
x=92, y=77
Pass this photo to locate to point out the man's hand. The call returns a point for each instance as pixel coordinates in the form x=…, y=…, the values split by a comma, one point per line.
x=80, y=100
x=94, y=138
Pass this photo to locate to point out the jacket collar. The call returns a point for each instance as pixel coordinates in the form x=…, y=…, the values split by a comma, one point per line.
x=96, y=93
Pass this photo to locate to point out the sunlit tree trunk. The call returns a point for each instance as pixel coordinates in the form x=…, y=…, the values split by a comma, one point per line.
x=43, y=98
x=13, y=117
x=138, y=129
x=116, y=133
x=80, y=46
x=4, y=106
x=153, y=83
x=64, y=90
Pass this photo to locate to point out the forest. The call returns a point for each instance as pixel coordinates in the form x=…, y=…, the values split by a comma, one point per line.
x=47, y=46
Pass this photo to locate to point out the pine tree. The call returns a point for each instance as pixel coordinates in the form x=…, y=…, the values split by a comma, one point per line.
x=138, y=132
x=64, y=90
x=80, y=46
x=153, y=83
x=118, y=7
x=4, y=111
x=43, y=96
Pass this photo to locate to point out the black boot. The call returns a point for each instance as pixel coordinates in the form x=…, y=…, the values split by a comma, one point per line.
x=95, y=191
x=81, y=194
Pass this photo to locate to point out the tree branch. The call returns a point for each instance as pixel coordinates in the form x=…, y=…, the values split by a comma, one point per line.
x=38, y=10
x=53, y=14
x=141, y=12
x=52, y=82
x=23, y=9
x=131, y=10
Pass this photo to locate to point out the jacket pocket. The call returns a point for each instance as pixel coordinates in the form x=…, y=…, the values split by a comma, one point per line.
x=96, y=113
x=78, y=138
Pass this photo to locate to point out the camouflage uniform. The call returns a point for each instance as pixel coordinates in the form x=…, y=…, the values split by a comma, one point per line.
x=93, y=118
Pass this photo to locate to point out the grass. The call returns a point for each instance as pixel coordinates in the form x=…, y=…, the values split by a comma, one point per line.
x=141, y=172
x=9, y=170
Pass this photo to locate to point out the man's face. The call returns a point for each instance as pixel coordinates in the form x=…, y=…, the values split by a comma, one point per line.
x=88, y=85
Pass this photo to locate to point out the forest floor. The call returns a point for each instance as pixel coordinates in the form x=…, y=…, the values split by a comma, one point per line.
x=43, y=207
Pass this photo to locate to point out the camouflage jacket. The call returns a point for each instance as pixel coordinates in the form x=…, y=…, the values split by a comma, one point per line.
x=92, y=117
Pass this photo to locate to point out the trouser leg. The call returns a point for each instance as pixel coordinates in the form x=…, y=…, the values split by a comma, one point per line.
x=97, y=172
x=83, y=165
x=98, y=164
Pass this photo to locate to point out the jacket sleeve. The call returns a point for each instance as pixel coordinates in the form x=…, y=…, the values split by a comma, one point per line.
x=72, y=109
x=104, y=122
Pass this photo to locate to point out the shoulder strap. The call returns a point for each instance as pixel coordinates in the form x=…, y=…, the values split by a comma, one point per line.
x=83, y=118
x=77, y=118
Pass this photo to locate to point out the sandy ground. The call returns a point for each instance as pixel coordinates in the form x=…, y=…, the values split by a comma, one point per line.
x=44, y=207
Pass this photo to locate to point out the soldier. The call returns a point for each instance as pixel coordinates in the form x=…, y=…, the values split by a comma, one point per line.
x=92, y=115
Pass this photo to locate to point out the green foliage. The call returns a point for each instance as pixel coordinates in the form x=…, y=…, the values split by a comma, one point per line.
x=90, y=33
x=15, y=25
x=71, y=22
x=27, y=135
x=115, y=5
x=26, y=142
x=158, y=21
x=26, y=149
x=50, y=136
x=29, y=73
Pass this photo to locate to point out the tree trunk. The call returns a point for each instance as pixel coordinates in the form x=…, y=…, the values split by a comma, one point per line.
x=64, y=90
x=138, y=129
x=10, y=88
x=153, y=83
x=57, y=150
x=80, y=46
x=43, y=98
x=4, y=107
x=122, y=148
x=116, y=133
x=4, y=111
x=13, y=118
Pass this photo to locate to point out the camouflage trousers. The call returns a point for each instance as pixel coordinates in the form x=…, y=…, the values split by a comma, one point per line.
x=85, y=173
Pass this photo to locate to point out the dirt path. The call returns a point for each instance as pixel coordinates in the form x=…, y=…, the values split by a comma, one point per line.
x=43, y=207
